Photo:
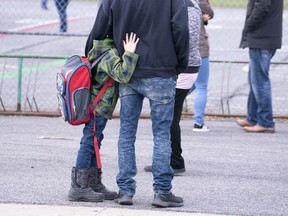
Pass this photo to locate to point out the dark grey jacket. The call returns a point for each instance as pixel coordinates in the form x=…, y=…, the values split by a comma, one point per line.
x=203, y=41
x=161, y=25
x=263, y=25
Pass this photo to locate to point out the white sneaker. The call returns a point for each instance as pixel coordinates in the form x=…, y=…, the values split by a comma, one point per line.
x=202, y=128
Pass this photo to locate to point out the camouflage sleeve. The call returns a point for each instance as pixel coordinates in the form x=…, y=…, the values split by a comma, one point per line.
x=120, y=69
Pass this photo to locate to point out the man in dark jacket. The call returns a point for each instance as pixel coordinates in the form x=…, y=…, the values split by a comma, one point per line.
x=162, y=27
x=262, y=33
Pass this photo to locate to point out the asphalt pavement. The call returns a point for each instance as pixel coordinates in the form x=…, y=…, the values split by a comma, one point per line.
x=229, y=171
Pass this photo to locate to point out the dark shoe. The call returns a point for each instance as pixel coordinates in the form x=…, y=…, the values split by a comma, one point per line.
x=202, y=128
x=259, y=129
x=123, y=199
x=44, y=7
x=95, y=179
x=176, y=171
x=167, y=200
x=80, y=189
x=148, y=168
x=243, y=122
x=84, y=195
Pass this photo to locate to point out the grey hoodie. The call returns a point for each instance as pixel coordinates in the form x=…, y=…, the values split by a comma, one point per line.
x=194, y=17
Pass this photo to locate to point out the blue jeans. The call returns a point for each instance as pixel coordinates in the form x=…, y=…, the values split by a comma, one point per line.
x=201, y=85
x=160, y=92
x=61, y=6
x=86, y=155
x=259, y=104
x=44, y=4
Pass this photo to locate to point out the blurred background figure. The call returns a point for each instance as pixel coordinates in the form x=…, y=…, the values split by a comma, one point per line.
x=44, y=4
x=201, y=83
x=61, y=6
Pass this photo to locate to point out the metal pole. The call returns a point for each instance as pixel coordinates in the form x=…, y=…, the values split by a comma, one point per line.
x=19, y=93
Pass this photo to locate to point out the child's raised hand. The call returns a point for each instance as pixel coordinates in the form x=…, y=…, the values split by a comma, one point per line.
x=131, y=42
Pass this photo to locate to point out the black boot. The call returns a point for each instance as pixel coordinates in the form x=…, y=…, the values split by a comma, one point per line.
x=80, y=189
x=97, y=185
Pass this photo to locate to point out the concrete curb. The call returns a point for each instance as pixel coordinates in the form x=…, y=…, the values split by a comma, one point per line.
x=46, y=210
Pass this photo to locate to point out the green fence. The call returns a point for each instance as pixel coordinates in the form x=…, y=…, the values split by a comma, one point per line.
x=28, y=86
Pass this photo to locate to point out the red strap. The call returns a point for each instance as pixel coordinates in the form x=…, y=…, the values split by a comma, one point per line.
x=109, y=82
x=96, y=145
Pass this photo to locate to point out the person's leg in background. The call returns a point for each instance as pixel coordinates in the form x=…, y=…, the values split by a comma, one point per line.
x=44, y=4
x=61, y=6
x=259, y=106
x=200, y=99
x=177, y=161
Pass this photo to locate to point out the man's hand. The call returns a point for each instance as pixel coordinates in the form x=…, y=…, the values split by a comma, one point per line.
x=206, y=17
x=131, y=42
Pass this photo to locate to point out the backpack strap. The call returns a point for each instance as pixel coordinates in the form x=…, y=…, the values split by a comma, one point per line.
x=109, y=82
x=98, y=59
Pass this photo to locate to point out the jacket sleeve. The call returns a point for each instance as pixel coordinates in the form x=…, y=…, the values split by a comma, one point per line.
x=119, y=69
x=258, y=12
x=102, y=26
x=180, y=31
x=206, y=8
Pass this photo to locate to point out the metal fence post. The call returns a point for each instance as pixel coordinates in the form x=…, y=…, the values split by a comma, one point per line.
x=19, y=93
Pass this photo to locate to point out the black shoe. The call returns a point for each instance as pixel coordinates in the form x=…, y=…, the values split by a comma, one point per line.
x=148, y=168
x=123, y=199
x=167, y=200
x=176, y=171
x=202, y=128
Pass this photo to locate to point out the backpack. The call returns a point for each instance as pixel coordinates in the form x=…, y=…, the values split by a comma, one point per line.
x=73, y=92
x=73, y=83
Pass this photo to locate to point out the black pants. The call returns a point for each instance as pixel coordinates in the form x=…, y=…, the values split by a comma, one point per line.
x=177, y=161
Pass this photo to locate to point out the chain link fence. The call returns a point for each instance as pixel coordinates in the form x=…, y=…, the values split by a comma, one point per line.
x=36, y=39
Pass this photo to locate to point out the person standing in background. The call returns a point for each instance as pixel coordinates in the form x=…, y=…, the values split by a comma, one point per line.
x=262, y=34
x=201, y=84
x=61, y=6
x=44, y=4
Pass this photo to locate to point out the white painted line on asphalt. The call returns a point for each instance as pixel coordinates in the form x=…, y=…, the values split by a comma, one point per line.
x=45, y=210
x=55, y=138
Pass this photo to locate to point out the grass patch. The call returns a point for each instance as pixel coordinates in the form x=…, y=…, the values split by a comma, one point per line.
x=229, y=3
x=235, y=3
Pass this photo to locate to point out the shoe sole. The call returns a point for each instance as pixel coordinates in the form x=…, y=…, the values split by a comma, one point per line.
x=179, y=172
x=265, y=131
x=148, y=169
x=162, y=204
x=82, y=199
x=108, y=196
x=125, y=203
x=122, y=201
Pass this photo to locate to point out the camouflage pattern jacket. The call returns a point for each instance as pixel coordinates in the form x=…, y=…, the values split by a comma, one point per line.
x=111, y=65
